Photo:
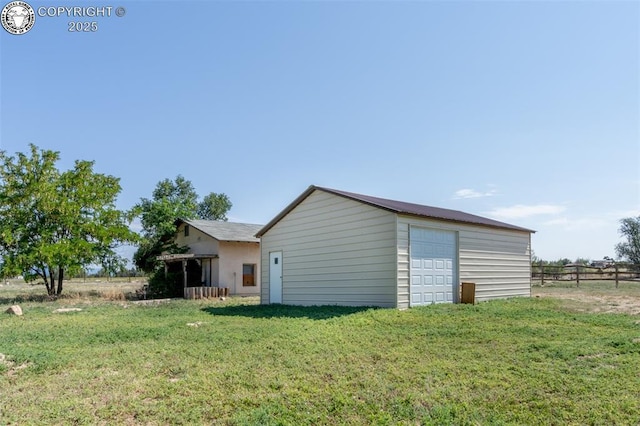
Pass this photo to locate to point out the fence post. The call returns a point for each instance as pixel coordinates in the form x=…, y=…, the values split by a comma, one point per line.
x=616, y=268
x=577, y=276
x=541, y=274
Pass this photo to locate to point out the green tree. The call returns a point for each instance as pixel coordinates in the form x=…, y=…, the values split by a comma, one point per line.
x=54, y=223
x=172, y=200
x=630, y=231
x=112, y=264
x=214, y=207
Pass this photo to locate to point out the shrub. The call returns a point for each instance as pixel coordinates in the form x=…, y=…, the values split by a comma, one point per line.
x=160, y=286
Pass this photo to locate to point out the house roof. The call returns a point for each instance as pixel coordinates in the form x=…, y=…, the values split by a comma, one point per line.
x=398, y=207
x=225, y=231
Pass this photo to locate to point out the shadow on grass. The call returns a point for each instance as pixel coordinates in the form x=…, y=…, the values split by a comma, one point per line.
x=286, y=311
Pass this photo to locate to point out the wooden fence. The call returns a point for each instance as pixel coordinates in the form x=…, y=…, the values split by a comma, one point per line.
x=578, y=273
x=205, y=292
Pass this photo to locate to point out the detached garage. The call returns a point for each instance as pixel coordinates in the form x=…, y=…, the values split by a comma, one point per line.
x=331, y=247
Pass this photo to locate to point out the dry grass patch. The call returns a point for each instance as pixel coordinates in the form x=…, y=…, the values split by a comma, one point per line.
x=594, y=296
x=76, y=291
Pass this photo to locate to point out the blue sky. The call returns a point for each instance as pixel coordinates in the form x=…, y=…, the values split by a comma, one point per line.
x=525, y=112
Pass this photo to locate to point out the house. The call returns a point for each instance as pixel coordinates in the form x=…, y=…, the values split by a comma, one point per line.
x=219, y=254
x=331, y=247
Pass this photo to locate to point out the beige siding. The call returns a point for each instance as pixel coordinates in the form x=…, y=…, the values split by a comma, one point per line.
x=198, y=241
x=498, y=261
x=232, y=256
x=335, y=251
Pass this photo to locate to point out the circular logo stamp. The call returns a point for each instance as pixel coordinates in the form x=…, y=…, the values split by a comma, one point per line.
x=18, y=17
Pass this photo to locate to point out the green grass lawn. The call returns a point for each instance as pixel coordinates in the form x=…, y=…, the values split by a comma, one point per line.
x=519, y=361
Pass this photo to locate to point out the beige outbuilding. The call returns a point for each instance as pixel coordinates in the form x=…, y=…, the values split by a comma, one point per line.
x=331, y=247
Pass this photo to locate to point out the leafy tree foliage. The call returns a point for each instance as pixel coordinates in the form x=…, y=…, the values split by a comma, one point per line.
x=214, y=207
x=54, y=223
x=172, y=200
x=629, y=249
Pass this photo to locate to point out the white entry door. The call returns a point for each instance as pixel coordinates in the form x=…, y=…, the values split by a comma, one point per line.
x=275, y=277
x=433, y=266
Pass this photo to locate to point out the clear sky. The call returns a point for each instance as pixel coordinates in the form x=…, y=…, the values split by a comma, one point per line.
x=525, y=112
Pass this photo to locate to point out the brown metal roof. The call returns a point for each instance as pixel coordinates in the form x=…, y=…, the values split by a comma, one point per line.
x=399, y=207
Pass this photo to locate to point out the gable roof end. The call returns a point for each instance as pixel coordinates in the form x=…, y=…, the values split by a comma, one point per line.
x=399, y=207
x=286, y=211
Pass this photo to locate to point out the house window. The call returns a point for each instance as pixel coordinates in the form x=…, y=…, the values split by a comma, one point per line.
x=248, y=275
x=186, y=230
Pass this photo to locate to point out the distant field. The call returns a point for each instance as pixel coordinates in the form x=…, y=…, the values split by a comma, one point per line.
x=75, y=289
x=528, y=361
x=594, y=296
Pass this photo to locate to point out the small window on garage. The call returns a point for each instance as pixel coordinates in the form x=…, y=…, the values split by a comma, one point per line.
x=186, y=230
x=248, y=275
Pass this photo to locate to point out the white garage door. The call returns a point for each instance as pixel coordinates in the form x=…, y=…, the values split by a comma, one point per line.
x=433, y=266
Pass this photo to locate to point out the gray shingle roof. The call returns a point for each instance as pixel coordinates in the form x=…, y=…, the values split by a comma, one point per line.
x=226, y=231
x=399, y=207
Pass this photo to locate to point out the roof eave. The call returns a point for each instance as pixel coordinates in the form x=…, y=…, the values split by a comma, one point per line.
x=185, y=256
x=463, y=222
x=286, y=211
x=190, y=223
x=506, y=226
